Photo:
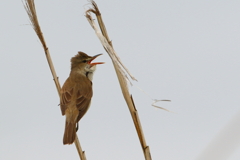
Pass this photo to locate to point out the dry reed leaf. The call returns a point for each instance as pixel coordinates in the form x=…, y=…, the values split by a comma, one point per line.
x=156, y=100
x=107, y=44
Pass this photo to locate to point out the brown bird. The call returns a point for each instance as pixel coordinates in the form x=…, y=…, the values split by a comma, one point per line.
x=76, y=93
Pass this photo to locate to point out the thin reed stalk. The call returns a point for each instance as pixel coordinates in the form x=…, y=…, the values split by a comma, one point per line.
x=123, y=74
x=31, y=11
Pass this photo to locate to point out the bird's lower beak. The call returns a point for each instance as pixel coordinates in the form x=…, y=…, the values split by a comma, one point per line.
x=94, y=57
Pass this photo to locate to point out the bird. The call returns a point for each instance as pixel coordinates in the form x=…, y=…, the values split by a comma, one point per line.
x=76, y=93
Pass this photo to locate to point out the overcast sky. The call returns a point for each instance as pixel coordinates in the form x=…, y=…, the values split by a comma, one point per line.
x=185, y=51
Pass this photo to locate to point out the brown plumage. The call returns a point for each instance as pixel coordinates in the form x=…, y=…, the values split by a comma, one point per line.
x=76, y=93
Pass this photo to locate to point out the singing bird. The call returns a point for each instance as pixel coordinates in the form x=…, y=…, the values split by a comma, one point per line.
x=76, y=93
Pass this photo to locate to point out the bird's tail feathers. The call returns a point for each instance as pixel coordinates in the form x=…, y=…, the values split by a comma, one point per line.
x=69, y=133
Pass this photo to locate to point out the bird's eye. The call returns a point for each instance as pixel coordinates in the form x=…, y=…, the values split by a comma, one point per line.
x=84, y=61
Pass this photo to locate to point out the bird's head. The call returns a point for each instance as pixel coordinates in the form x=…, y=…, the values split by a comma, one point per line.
x=84, y=62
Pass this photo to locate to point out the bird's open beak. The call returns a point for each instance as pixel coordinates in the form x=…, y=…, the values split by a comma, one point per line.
x=94, y=57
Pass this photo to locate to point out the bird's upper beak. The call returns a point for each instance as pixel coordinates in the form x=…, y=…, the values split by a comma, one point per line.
x=91, y=59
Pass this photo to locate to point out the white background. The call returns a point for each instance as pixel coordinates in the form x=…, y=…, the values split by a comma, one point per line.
x=185, y=51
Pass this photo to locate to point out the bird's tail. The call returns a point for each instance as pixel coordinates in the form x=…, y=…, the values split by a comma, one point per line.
x=69, y=133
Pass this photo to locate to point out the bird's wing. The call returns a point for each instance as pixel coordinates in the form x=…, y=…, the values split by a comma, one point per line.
x=84, y=95
x=66, y=95
x=79, y=92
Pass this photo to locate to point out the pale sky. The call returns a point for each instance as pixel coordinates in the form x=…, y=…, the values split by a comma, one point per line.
x=185, y=51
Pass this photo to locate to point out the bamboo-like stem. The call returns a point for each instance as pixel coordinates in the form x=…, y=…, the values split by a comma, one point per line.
x=79, y=149
x=31, y=11
x=121, y=71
